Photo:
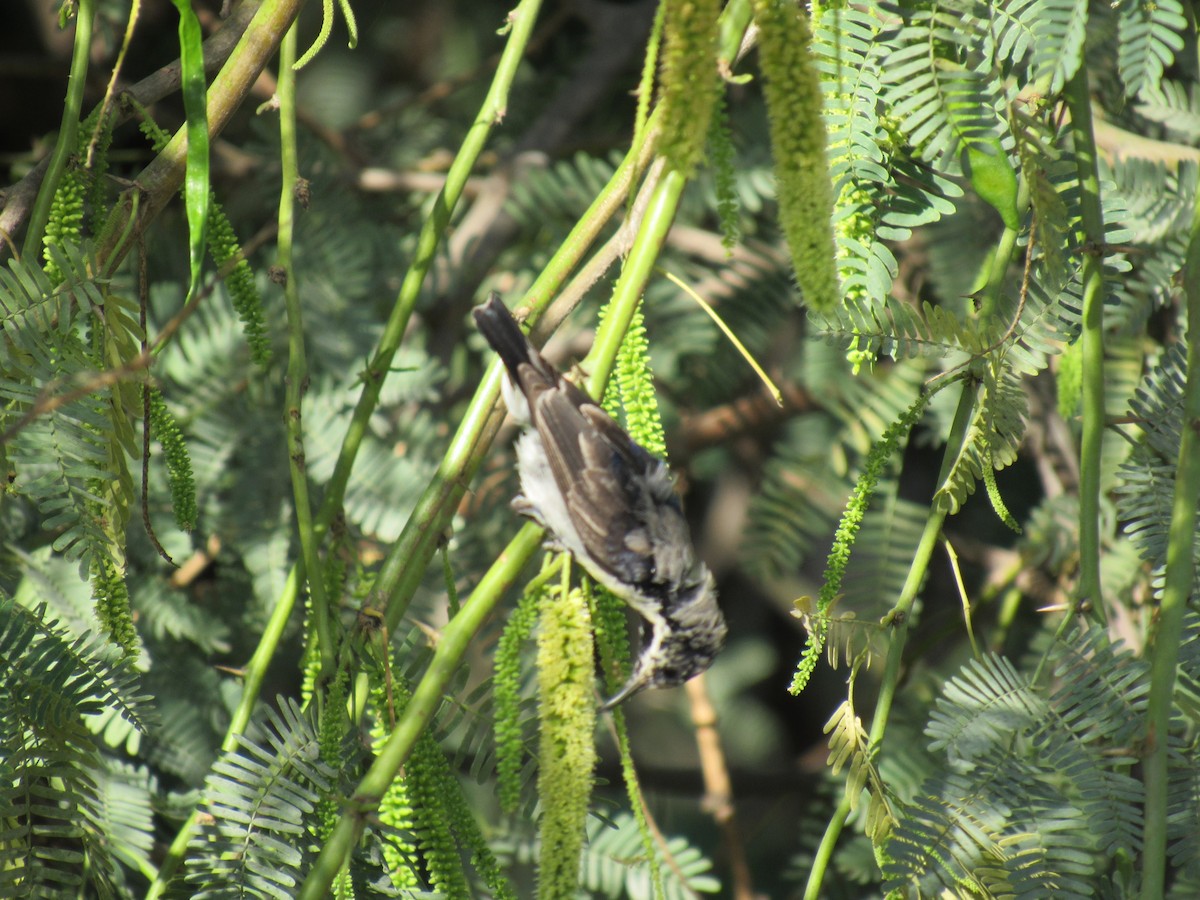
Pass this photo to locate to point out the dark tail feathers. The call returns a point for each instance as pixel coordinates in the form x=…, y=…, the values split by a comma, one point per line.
x=500, y=329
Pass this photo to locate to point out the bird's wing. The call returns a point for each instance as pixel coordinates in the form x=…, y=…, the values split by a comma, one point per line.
x=602, y=474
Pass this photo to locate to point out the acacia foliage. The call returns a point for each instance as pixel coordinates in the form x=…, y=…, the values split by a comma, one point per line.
x=1008, y=764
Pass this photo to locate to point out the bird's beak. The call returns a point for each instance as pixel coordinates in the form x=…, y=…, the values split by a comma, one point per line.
x=636, y=682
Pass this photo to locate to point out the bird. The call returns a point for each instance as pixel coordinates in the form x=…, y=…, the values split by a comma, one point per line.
x=612, y=505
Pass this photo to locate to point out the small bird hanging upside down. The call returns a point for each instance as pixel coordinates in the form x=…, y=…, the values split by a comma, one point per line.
x=612, y=506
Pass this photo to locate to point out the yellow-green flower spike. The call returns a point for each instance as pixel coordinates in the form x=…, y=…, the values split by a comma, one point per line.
x=182, y=485
x=567, y=751
x=794, y=107
x=396, y=812
x=722, y=156
x=844, y=537
x=111, y=596
x=506, y=686
x=690, y=81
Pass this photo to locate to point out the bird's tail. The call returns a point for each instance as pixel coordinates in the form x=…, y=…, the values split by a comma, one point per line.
x=500, y=329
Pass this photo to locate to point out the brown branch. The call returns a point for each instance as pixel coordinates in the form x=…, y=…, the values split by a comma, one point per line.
x=48, y=402
x=753, y=413
x=718, y=790
x=18, y=201
x=1119, y=144
x=378, y=180
x=195, y=565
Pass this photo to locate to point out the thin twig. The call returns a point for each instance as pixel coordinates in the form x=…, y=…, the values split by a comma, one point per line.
x=143, y=285
x=752, y=413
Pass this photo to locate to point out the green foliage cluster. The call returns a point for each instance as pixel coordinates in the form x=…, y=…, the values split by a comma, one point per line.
x=143, y=751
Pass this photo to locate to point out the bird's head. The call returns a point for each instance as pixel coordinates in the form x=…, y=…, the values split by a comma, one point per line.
x=680, y=645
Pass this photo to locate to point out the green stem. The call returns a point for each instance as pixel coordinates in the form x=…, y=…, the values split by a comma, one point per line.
x=1163, y=647
x=401, y=569
x=297, y=370
x=607, y=204
x=898, y=620
x=68, y=131
x=1000, y=261
x=426, y=700
x=1092, y=439
x=404, y=567
x=495, y=103
x=639, y=265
